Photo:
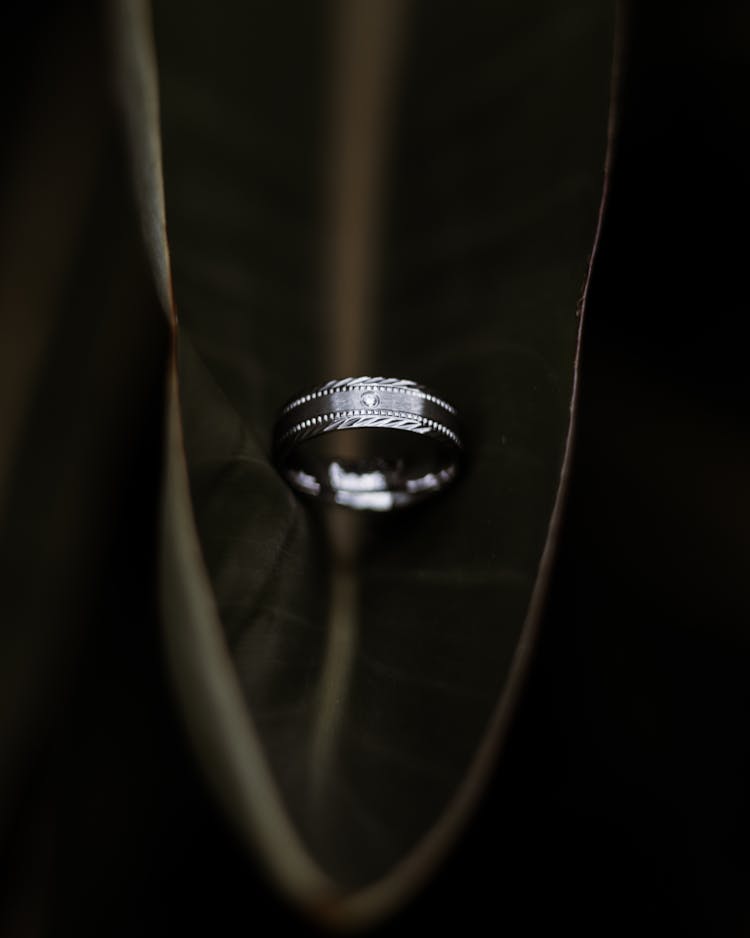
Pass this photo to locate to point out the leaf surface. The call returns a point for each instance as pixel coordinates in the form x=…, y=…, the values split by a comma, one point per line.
x=404, y=190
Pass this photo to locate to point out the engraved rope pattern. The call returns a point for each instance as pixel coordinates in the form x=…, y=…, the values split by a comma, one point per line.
x=350, y=419
x=363, y=384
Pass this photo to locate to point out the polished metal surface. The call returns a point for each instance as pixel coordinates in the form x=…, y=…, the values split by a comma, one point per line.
x=378, y=482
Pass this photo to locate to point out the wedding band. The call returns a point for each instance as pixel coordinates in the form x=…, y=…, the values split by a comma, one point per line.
x=384, y=478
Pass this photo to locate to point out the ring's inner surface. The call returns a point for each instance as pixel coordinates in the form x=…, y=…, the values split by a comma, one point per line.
x=376, y=470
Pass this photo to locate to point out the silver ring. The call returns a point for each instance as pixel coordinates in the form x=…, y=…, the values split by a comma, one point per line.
x=378, y=472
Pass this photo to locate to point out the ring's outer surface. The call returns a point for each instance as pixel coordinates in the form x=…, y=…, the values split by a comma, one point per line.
x=377, y=484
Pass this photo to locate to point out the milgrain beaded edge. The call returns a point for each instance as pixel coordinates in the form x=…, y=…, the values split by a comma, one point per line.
x=369, y=384
x=363, y=417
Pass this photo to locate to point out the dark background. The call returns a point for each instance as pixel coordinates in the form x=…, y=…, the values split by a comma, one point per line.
x=620, y=804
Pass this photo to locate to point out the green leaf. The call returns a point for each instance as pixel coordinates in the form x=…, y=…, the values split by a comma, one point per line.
x=74, y=294
x=82, y=358
x=399, y=189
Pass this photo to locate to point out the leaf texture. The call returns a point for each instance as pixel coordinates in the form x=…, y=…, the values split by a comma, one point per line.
x=409, y=191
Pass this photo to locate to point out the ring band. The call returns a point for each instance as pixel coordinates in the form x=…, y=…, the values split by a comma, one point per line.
x=375, y=482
